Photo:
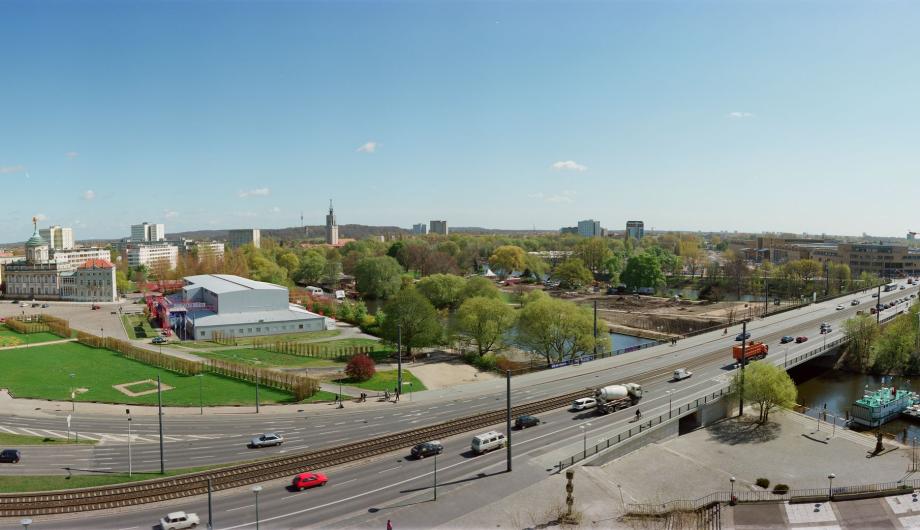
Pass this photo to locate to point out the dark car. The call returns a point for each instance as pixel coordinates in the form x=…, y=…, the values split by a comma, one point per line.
x=36, y=305
x=787, y=339
x=800, y=340
x=159, y=340
x=45, y=306
x=743, y=336
x=522, y=422
x=9, y=456
x=427, y=449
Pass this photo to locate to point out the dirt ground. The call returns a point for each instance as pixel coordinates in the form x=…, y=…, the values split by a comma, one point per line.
x=447, y=374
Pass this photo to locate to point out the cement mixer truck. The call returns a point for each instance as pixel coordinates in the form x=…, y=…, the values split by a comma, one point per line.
x=615, y=397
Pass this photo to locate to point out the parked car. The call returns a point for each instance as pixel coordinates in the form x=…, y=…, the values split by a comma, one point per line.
x=874, y=295
x=800, y=340
x=10, y=456
x=522, y=422
x=743, y=336
x=266, y=440
x=682, y=373
x=584, y=403
x=854, y=302
x=179, y=520
x=424, y=449
x=36, y=305
x=45, y=306
x=159, y=340
x=303, y=481
x=96, y=306
x=787, y=339
x=840, y=307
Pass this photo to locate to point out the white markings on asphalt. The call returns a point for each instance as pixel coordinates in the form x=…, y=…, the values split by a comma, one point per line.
x=344, y=482
x=11, y=431
x=340, y=423
x=378, y=417
x=33, y=433
x=198, y=457
x=239, y=507
x=387, y=469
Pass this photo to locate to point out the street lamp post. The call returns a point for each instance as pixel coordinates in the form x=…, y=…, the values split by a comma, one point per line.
x=584, y=431
x=786, y=357
x=73, y=394
x=256, y=490
x=743, y=362
x=130, y=467
x=436, y=476
x=200, y=395
x=669, y=403
x=830, y=485
x=731, y=497
x=102, y=332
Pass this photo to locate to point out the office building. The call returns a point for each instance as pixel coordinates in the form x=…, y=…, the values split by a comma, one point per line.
x=635, y=230
x=332, y=229
x=420, y=229
x=247, y=236
x=152, y=254
x=92, y=281
x=146, y=232
x=58, y=238
x=590, y=228
x=73, y=258
x=213, y=249
x=438, y=227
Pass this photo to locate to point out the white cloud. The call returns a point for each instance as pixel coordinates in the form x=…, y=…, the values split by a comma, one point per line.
x=369, y=147
x=71, y=154
x=569, y=165
x=170, y=214
x=41, y=217
x=89, y=195
x=12, y=169
x=258, y=192
x=740, y=115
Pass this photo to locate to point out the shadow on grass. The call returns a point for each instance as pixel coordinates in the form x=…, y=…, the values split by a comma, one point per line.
x=734, y=431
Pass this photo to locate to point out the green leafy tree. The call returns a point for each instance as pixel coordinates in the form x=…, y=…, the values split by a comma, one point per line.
x=535, y=266
x=557, y=329
x=614, y=266
x=767, y=386
x=507, y=258
x=642, y=270
x=290, y=262
x=378, y=277
x=593, y=252
x=572, y=274
x=485, y=321
x=860, y=332
x=442, y=290
x=414, y=315
x=896, y=346
x=312, y=265
x=479, y=286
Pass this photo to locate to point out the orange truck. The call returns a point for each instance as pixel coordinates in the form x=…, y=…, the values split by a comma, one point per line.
x=753, y=351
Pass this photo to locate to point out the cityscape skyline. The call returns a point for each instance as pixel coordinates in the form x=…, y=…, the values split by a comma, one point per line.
x=487, y=115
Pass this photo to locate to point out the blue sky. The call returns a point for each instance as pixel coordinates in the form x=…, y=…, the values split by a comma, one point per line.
x=732, y=115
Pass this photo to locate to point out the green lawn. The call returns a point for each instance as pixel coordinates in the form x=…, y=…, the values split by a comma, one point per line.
x=322, y=395
x=385, y=380
x=13, y=440
x=304, y=336
x=138, y=327
x=43, y=372
x=258, y=357
x=9, y=337
x=381, y=351
x=22, y=484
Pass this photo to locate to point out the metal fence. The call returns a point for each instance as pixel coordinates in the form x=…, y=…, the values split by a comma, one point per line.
x=743, y=496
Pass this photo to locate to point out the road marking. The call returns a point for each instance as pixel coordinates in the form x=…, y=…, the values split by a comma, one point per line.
x=345, y=482
x=198, y=457
x=378, y=417
x=33, y=433
x=340, y=423
x=55, y=434
x=11, y=431
x=388, y=469
x=239, y=508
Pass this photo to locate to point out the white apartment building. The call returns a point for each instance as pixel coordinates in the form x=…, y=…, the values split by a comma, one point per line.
x=590, y=228
x=148, y=232
x=209, y=248
x=247, y=236
x=73, y=258
x=149, y=254
x=92, y=281
x=58, y=238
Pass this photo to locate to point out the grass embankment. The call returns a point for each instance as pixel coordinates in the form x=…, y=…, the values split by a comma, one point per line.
x=9, y=337
x=14, y=440
x=23, y=484
x=138, y=327
x=385, y=380
x=43, y=372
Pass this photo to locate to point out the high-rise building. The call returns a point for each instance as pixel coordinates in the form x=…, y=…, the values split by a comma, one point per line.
x=420, y=229
x=635, y=230
x=246, y=236
x=438, y=227
x=73, y=258
x=145, y=232
x=58, y=238
x=151, y=254
x=590, y=228
x=332, y=229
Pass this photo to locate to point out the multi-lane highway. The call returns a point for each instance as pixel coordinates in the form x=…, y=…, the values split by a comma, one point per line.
x=372, y=490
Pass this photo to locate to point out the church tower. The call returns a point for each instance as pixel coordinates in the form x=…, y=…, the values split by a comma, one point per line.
x=332, y=229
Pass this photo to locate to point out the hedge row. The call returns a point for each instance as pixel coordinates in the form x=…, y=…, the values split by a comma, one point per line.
x=32, y=324
x=322, y=351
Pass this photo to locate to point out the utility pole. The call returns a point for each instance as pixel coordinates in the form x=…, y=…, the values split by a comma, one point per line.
x=210, y=518
x=743, y=362
x=398, y=360
x=595, y=327
x=436, y=476
x=160, y=418
x=878, y=306
x=766, y=294
x=257, y=395
x=508, y=413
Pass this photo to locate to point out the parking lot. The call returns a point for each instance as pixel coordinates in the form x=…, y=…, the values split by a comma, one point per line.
x=82, y=317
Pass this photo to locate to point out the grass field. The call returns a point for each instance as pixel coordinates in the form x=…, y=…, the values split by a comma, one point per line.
x=43, y=372
x=22, y=484
x=138, y=327
x=9, y=337
x=14, y=440
x=257, y=357
x=385, y=380
x=381, y=351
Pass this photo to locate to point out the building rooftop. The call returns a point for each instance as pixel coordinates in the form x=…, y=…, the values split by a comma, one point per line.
x=96, y=264
x=205, y=317
x=228, y=283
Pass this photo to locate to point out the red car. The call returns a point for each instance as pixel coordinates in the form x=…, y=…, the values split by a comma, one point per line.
x=308, y=480
x=800, y=340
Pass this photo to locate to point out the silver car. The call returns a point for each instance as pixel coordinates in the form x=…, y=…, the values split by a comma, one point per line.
x=179, y=521
x=266, y=440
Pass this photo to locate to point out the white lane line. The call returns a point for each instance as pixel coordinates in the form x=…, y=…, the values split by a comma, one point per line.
x=55, y=434
x=198, y=457
x=378, y=417
x=33, y=433
x=318, y=426
x=11, y=431
x=340, y=423
x=344, y=482
x=239, y=508
x=388, y=469
x=87, y=436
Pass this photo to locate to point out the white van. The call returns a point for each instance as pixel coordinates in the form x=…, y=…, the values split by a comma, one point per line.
x=340, y=294
x=314, y=291
x=487, y=442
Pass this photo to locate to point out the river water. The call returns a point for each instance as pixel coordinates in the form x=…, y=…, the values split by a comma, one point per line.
x=820, y=385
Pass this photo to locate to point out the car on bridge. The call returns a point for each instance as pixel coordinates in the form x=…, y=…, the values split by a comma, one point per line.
x=681, y=374
x=522, y=422
x=840, y=307
x=854, y=302
x=743, y=336
x=304, y=481
x=179, y=520
x=10, y=456
x=424, y=449
x=159, y=340
x=786, y=339
x=584, y=403
x=266, y=440
x=800, y=340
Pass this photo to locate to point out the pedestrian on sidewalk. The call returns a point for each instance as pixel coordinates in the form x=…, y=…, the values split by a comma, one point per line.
x=389, y=525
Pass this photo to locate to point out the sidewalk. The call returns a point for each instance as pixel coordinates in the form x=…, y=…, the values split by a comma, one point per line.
x=35, y=344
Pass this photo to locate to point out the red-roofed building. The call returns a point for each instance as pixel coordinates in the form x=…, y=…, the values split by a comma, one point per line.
x=93, y=281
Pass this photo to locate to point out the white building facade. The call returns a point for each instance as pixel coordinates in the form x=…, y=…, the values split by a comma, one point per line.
x=58, y=237
x=73, y=258
x=248, y=236
x=589, y=228
x=148, y=232
x=92, y=281
x=150, y=254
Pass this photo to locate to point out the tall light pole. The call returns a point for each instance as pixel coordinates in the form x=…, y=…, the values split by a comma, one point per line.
x=130, y=467
x=256, y=490
x=398, y=360
x=257, y=395
x=878, y=306
x=436, y=476
x=210, y=513
x=669, y=403
x=731, y=497
x=508, y=414
x=73, y=394
x=743, y=362
x=830, y=484
x=786, y=357
x=200, y=395
x=595, y=327
x=584, y=441
x=160, y=418
x=102, y=332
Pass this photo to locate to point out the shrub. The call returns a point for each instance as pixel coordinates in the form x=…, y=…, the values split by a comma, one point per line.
x=487, y=362
x=781, y=489
x=360, y=368
x=763, y=482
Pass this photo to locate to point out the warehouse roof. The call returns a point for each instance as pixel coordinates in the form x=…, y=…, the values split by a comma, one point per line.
x=228, y=283
x=204, y=317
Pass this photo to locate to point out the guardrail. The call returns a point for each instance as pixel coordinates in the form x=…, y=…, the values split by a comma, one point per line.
x=741, y=496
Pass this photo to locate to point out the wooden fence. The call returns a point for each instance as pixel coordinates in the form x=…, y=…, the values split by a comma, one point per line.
x=321, y=351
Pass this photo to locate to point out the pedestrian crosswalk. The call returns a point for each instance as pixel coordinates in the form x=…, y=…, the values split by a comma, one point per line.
x=105, y=437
